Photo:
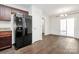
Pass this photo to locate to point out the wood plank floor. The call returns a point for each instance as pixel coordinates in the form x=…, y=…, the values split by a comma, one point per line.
x=51, y=44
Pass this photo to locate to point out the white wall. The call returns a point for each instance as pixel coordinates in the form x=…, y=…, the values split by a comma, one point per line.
x=47, y=25
x=37, y=17
x=43, y=26
x=55, y=25
x=36, y=24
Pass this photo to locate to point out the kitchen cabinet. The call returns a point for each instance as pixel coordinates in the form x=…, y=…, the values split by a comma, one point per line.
x=5, y=13
x=5, y=39
x=14, y=11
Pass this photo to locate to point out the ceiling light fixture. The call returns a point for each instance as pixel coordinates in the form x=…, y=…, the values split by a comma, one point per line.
x=65, y=14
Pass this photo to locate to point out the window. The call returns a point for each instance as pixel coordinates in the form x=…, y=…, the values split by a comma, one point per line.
x=67, y=26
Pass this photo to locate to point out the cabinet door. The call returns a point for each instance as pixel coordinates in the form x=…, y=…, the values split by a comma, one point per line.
x=5, y=42
x=14, y=11
x=5, y=13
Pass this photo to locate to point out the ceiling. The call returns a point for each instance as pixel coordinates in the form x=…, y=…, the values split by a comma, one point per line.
x=50, y=9
x=57, y=9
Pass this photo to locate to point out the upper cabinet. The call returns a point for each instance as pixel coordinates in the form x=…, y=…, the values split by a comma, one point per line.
x=13, y=10
x=5, y=13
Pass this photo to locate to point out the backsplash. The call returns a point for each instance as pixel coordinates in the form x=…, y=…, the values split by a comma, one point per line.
x=5, y=24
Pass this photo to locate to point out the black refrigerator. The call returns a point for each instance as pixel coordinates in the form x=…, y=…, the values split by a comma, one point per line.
x=23, y=31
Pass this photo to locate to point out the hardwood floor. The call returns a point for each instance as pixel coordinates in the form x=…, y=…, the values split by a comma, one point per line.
x=51, y=44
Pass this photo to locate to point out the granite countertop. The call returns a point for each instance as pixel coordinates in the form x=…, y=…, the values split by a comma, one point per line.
x=5, y=29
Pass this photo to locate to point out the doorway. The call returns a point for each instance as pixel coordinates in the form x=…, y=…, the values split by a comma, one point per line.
x=43, y=26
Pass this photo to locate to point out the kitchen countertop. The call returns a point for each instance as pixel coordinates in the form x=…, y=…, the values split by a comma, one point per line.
x=5, y=29
x=5, y=33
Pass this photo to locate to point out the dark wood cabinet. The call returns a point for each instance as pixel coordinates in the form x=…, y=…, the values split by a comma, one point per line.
x=13, y=10
x=5, y=39
x=5, y=13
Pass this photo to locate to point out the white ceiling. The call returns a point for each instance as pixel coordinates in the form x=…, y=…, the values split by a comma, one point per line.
x=56, y=9
x=50, y=9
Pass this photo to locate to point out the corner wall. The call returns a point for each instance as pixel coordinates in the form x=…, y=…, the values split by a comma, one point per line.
x=36, y=24
x=47, y=25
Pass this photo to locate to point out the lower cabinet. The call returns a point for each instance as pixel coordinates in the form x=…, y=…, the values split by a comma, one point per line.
x=5, y=42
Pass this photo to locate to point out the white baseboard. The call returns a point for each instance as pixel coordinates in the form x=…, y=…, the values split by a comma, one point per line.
x=64, y=36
